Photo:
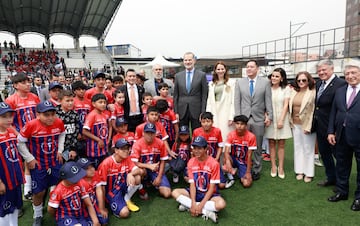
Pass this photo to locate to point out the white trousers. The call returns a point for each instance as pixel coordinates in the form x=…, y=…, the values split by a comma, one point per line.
x=304, y=152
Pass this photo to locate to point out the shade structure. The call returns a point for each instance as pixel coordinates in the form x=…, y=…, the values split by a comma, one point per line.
x=159, y=59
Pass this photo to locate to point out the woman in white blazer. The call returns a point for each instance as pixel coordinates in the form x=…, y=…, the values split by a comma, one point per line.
x=220, y=101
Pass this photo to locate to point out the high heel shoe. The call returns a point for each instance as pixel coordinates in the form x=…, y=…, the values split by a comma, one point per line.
x=307, y=179
x=273, y=174
x=299, y=176
x=281, y=176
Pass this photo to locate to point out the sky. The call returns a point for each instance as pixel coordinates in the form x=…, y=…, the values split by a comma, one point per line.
x=207, y=27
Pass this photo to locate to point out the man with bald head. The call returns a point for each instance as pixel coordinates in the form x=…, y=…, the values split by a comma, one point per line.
x=151, y=85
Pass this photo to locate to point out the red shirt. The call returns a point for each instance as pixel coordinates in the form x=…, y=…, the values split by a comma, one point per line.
x=90, y=188
x=91, y=92
x=129, y=136
x=118, y=111
x=168, y=119
x=183, y=151
x=160, y=131
x=82, y=107
x=149, y=153
x=213, y=138
x=240, y=145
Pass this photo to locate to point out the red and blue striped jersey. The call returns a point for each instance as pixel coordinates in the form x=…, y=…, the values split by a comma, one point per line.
x=149, y=153
x=240, y=145
x=25, y=108
x=91, y=92
x=90, y=188
x=204, y=173
x=168, y=99
x=118, y=111
x=168, y=119
x=82, y=107
x=67, y=200
x=183, y=151
x=129, y=136
x=97, y=124
x=113, y=174
x=213, y=138
x=160, y=131
x=43, y=141
x=11, y=171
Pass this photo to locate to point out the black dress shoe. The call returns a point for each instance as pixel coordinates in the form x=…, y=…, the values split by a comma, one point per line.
x=255, y=176
x=326, y=183
x=337, y=197
x=356, y=205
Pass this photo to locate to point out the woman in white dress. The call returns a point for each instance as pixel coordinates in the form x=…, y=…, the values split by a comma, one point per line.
x=220, y=100
x=280, y=129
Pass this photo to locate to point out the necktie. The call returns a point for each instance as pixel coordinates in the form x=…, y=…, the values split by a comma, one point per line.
x=132, y=99
x=352, y=96
x=321, y=89
x=38, y=90
x=188, y=81
x=251, y=87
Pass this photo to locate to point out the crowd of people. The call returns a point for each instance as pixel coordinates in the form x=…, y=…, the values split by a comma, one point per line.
x=94, y=147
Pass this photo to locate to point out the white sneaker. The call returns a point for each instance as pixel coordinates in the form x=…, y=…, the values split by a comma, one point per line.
x=317, y=162
x=229, y=183
x=210, y=215
x=182, y=208
x=176, y=178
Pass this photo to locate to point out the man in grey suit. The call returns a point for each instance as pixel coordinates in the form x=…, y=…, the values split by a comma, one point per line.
x=151, y=85
x=190, y=93
x=253, y=99
x=44, y=94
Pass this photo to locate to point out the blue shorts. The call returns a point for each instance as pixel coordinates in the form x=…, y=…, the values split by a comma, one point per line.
x=200, y=195
x=10, y=201
x=44, y=179
x=100, y=218
x=69, y=221
x=116, y=201
x=222, y=176
x=152, y=176
x=240, y=166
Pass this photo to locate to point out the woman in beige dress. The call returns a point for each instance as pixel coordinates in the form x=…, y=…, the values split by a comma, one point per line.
x=301, y=106
x=280, y=129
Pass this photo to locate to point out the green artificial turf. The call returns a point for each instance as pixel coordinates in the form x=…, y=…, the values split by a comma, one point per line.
x=270, y=201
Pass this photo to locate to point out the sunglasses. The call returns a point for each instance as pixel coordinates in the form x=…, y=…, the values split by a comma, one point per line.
x=302, y=80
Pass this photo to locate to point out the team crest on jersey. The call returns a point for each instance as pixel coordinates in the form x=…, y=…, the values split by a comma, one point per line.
x=201, y=181
x=67, y=221
x=47, y=147
x=75, y=204
x=27, y=116
x=103, y=132
x=7, y=205
x=82, y=117
x=53, y=196
x=10, y=153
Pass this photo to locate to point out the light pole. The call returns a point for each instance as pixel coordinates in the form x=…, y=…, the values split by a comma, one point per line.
x=299, y=25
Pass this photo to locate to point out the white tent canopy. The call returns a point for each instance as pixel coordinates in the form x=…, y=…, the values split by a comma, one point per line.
x=159, y=59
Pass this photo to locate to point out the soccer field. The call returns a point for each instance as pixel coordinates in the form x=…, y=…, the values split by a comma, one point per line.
x=270, y=201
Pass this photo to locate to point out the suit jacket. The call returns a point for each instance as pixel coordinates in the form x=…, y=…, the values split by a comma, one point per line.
x=256, y=105
x=306, y=109
x=149, y=86
x=195, y=100
x=44, y=95
x=323, y=105
x=34, y=91
x=140, y=89
x=340, y=114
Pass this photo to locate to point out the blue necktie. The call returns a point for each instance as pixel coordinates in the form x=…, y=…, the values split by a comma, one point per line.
x=321, y=89
x=251, y=87
x=188, y=81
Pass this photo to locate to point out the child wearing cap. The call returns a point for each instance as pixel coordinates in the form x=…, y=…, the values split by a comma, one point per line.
x=54, y=90
x=214, y=138
x=91, y=182
x=11, y=173
x=239, y=146
x=41, y=144
x=119, y=179
x=67, y=199
x=71, y=122
x=202, y=197
x=121, y=128
x=96, y=130
x=149, y=154
x=24, y=103
x=182, y=149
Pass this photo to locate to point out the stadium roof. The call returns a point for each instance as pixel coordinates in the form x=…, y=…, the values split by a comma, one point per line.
x=73, y=17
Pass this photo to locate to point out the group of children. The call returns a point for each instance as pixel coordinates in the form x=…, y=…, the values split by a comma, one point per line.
x=112, y=162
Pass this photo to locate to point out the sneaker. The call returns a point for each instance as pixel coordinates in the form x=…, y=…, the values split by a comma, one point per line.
x=143, y=194
x=182, y=208
x=28, y=196
x=132, y=207
x=229, y=183
x=317, y=162
x=37, y=221
x=176, y=178
x=210, y=215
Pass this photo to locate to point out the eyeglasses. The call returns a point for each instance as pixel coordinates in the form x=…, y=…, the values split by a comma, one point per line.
x=302, y=80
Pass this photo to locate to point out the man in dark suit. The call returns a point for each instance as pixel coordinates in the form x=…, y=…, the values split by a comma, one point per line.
x=343, y=132
x=325, y=91
x=36, y=88
x=133, y=100
x=190, y=93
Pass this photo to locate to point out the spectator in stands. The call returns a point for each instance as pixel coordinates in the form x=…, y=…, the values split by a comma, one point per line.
x=151, y=85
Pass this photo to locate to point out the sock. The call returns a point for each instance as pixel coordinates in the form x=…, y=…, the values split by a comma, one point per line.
x=230, y=176
x=27, y=185
x=5, y=220
x=184, y=200
x=210, y=206
x=130, y=192
x=38, y=210
x=13, y=218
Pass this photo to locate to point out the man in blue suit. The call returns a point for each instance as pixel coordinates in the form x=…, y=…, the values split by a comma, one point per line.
x=326, y=87
x=343, y=132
